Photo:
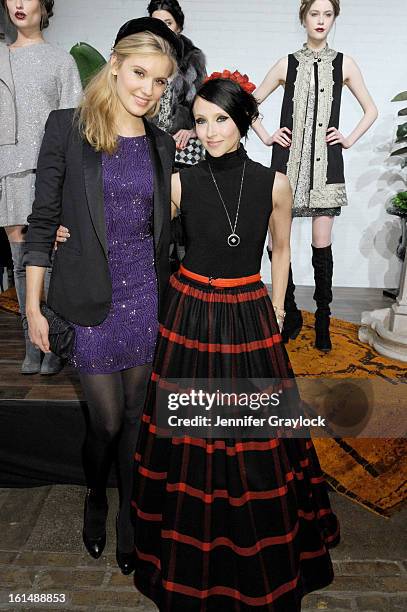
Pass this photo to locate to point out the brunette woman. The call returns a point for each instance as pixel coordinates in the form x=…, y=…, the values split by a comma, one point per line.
x=175, y=109
x=35, y=79
x=104, y=173
x=224, y=524
x=308, y=146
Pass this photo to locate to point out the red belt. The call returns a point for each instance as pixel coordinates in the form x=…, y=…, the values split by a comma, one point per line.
x=220, y=282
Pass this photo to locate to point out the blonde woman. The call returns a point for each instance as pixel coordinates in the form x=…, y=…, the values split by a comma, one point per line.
x=308, y=146
x=104, y=172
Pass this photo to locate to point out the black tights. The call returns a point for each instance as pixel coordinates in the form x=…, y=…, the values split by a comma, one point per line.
x=115, y=403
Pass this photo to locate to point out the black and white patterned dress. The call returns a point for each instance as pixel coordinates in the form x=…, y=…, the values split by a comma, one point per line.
x=311, y=105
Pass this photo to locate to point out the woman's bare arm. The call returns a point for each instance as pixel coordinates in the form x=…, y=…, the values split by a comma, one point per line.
x=280, y=228
x=274, y=78
x=353, y=79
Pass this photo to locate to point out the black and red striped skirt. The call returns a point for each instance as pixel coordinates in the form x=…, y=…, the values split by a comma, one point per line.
x=226, y=525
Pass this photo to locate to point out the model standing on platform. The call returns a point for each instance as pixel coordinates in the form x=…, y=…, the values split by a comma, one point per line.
x=105, y=172
x=175, y=110
x=308, y=146
x=226, y=525
x=35, y=78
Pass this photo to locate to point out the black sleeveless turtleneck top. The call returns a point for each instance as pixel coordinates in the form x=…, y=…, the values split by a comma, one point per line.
x=205, y=223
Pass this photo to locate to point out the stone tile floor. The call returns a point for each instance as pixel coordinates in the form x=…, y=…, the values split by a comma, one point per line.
x=41, y=553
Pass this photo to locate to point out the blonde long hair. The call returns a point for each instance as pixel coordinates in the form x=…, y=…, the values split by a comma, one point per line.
x=97, y=111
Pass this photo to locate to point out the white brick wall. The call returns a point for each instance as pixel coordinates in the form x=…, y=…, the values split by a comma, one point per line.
x=251, y=36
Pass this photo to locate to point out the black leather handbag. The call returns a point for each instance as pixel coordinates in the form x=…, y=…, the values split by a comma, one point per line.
x=61, y=333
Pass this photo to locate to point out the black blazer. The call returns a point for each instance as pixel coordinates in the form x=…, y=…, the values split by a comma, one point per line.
x=69, y=191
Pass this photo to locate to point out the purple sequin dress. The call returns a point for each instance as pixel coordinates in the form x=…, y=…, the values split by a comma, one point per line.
x=126, y=338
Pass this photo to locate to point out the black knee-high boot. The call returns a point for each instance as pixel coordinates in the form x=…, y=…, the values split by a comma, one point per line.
x=322, y=263
x=293, y=318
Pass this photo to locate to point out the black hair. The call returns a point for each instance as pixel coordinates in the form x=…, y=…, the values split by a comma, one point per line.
x=171, y=6
x=47, y=11
x=233, y=99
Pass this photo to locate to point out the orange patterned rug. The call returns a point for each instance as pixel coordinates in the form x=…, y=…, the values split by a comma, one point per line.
x=370, y=471
x=8, y=301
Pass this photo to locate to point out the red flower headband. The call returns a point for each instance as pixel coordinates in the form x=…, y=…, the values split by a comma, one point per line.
x=240, y=79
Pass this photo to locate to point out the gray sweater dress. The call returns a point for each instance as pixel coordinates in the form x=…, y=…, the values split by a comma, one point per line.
x=34, y=80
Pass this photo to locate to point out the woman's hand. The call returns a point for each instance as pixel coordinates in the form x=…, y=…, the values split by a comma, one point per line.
x=282, y=137
x=334, y=137
x=182, y=138
x=61, y=236
x=38, y=330
x=280, y=316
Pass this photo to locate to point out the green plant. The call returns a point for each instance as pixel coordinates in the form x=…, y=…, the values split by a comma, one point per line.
x=88, y=60
x=400, y=200
x=402, y=129
x=400, y=150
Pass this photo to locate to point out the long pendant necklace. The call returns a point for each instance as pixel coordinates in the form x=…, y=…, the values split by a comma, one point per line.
x=233, y=238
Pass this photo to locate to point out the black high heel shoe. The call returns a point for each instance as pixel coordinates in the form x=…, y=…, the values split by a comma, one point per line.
x=125, y=561
x=98, y=514
x=322, y=336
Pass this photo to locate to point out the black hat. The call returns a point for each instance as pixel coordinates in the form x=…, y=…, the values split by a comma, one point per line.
x=149, y=24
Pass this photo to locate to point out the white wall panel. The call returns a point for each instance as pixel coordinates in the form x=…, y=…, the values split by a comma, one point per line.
x=251, y=36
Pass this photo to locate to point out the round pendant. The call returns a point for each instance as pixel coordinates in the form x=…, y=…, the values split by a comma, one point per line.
x=233, y=240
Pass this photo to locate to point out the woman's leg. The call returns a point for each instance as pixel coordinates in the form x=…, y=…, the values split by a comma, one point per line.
x=15, y=234
x=135, y=382
x=322, y=263
x=105, y=400
x=105, y=411
x=322, y=232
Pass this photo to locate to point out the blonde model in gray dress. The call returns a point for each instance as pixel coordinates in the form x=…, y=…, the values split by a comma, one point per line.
x=35, y=78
